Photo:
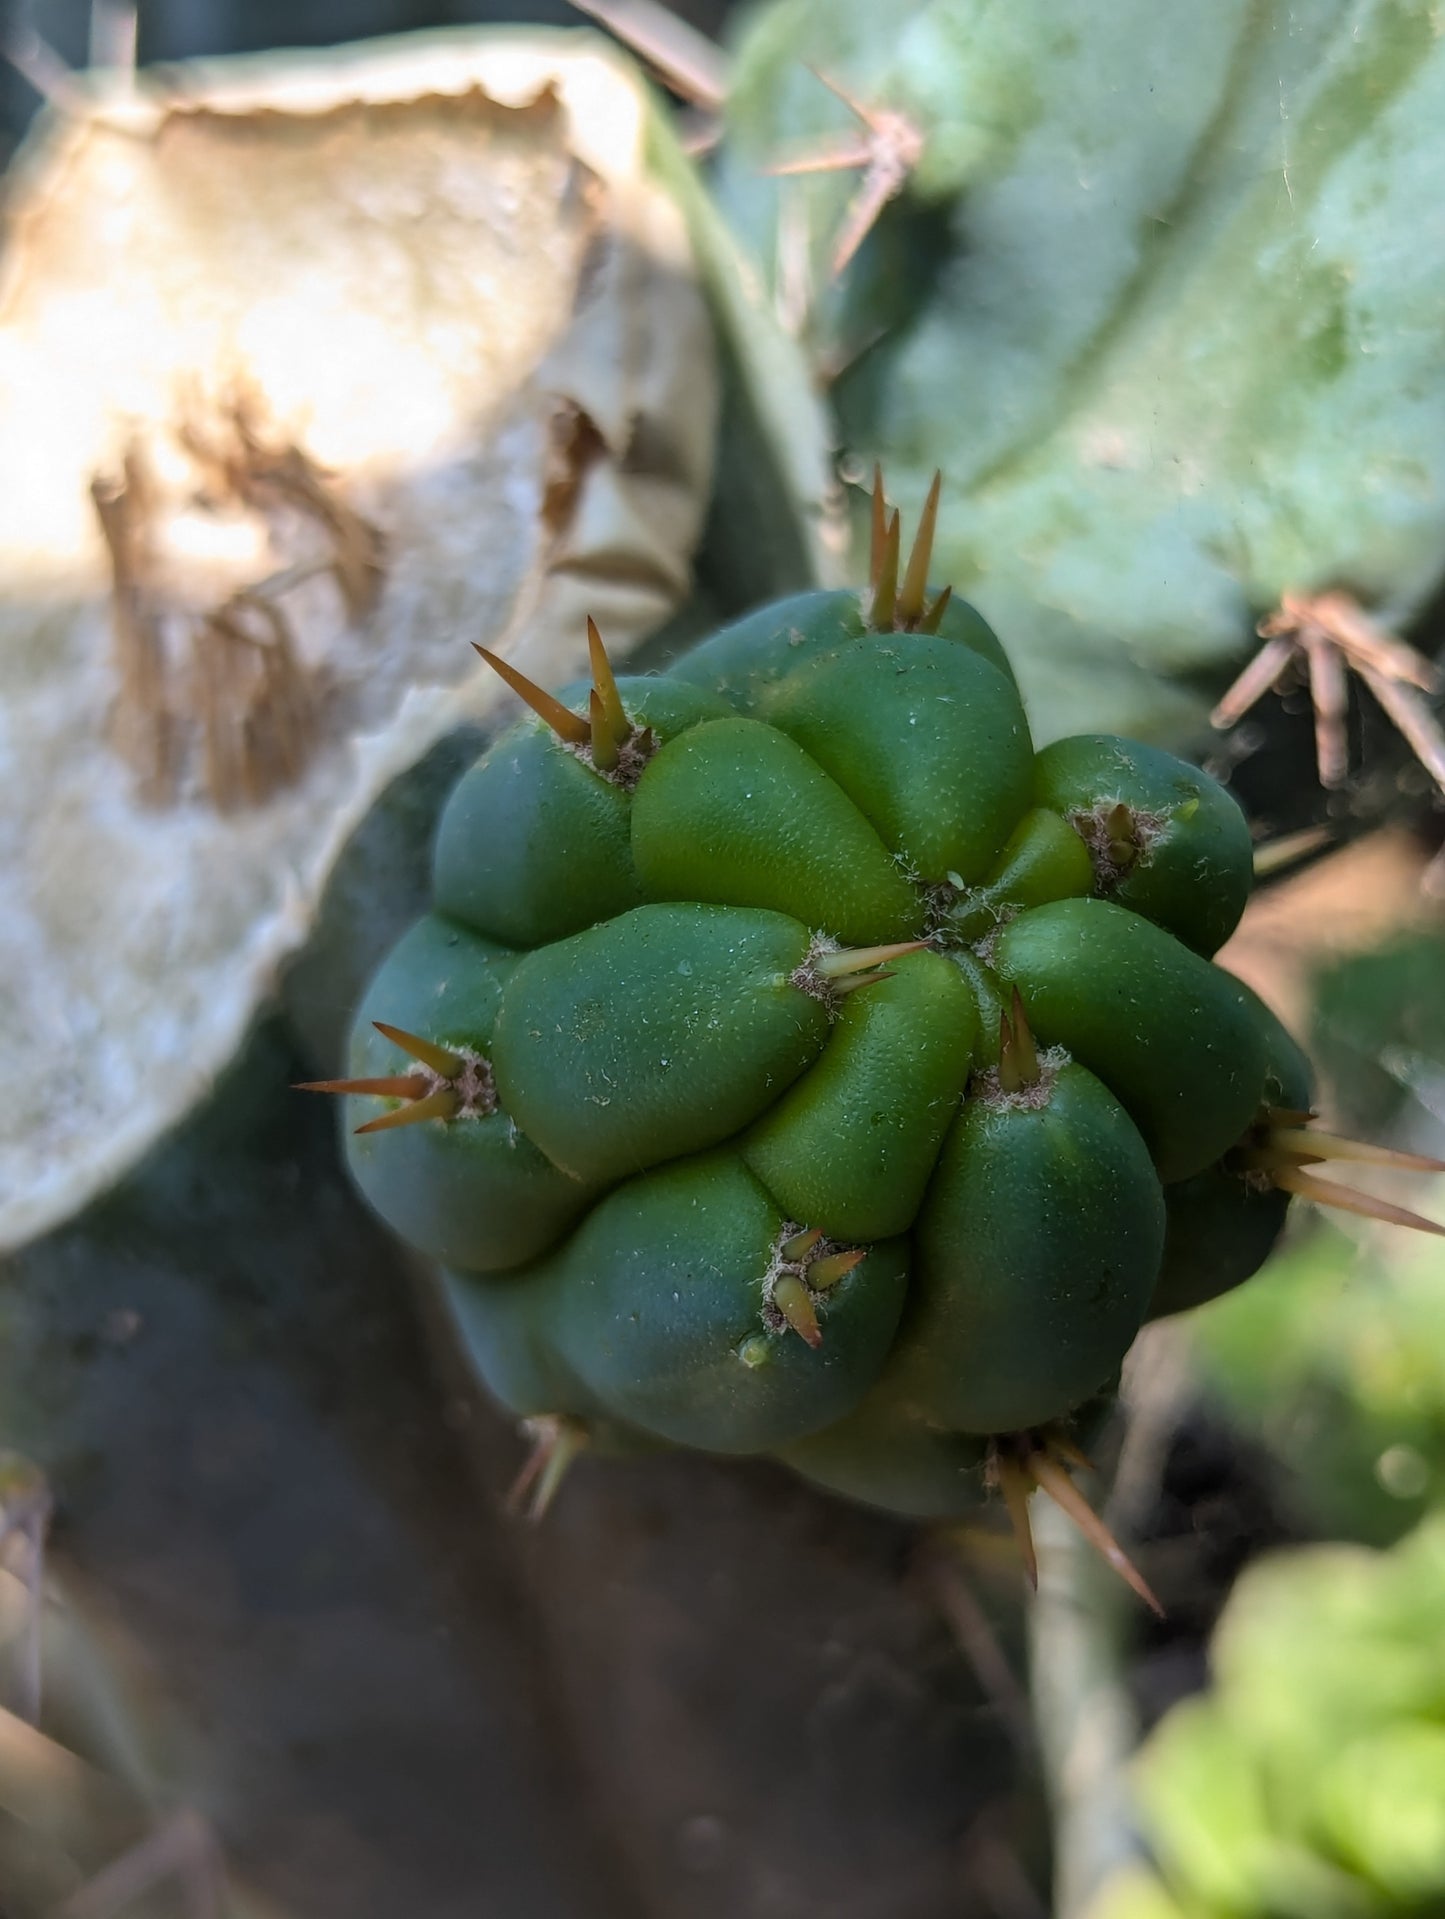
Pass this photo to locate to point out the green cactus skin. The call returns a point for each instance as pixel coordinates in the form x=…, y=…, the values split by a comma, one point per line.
x=745, y=659
x=1037, y=1251
x=928, y=738
x=503, y=1330
x=736, y=813
x=1179, y=852
x=533, y=845
x=1044, y=859
x=601, y=1050
x=851, y=1145
x=659, y=1307
x=737, y=1188
x=476, y=1194
x=883, y=1455
x=1169, y=1034
x=1221, y=1226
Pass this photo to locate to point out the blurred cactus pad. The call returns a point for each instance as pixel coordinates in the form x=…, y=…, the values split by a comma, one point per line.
x=1155, y=296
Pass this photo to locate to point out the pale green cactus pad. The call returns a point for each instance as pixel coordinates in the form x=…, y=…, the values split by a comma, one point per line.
x=1159, y=299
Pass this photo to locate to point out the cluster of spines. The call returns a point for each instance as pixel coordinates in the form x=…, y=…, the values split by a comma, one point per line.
x=607, y=738
x=806, y=1269
x=448, y=1084
x=905, y=607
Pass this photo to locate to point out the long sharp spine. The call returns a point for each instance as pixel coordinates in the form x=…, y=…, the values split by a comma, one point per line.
x=569, y=727
x=439, y=1059
x=914, y=592
x=933, y=618
x=442, y=1104
x=794, y=1302
x=1324, y=1192
x=1050, y=1477
x=393, y=1086
x=859, y=959
x=1303, y=1143
x=604, y=740
x=882, y=613
x=825, y=1273
x=604, y=683
x=1015, y=1485
x=801, y=1244
x=1018, y=1058
x=878, y=528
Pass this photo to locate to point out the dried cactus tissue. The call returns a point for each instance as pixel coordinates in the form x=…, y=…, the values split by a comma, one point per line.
x=311, y=371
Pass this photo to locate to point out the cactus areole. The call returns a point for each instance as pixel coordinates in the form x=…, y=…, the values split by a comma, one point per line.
x=796, y=1062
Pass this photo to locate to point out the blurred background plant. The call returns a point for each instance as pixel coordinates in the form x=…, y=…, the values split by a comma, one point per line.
x=1162, y=291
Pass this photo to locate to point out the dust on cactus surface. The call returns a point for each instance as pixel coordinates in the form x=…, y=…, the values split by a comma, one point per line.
x=795, y=1062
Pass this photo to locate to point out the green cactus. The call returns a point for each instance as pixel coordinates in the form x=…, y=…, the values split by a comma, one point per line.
x=796, y=1063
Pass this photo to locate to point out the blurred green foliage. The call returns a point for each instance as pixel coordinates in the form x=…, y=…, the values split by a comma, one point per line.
x=1310, y=1784
x=1154, y=300
x=1335, y=1358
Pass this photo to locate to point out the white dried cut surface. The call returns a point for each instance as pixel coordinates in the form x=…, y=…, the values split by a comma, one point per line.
x=313, y=369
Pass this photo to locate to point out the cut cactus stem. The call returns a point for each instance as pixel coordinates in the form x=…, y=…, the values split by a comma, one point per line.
x=795, y=1303
x=438, y=1059
x=569, y=727
x=1324, y=1192
x=825, y=1273
x=442, y=1104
